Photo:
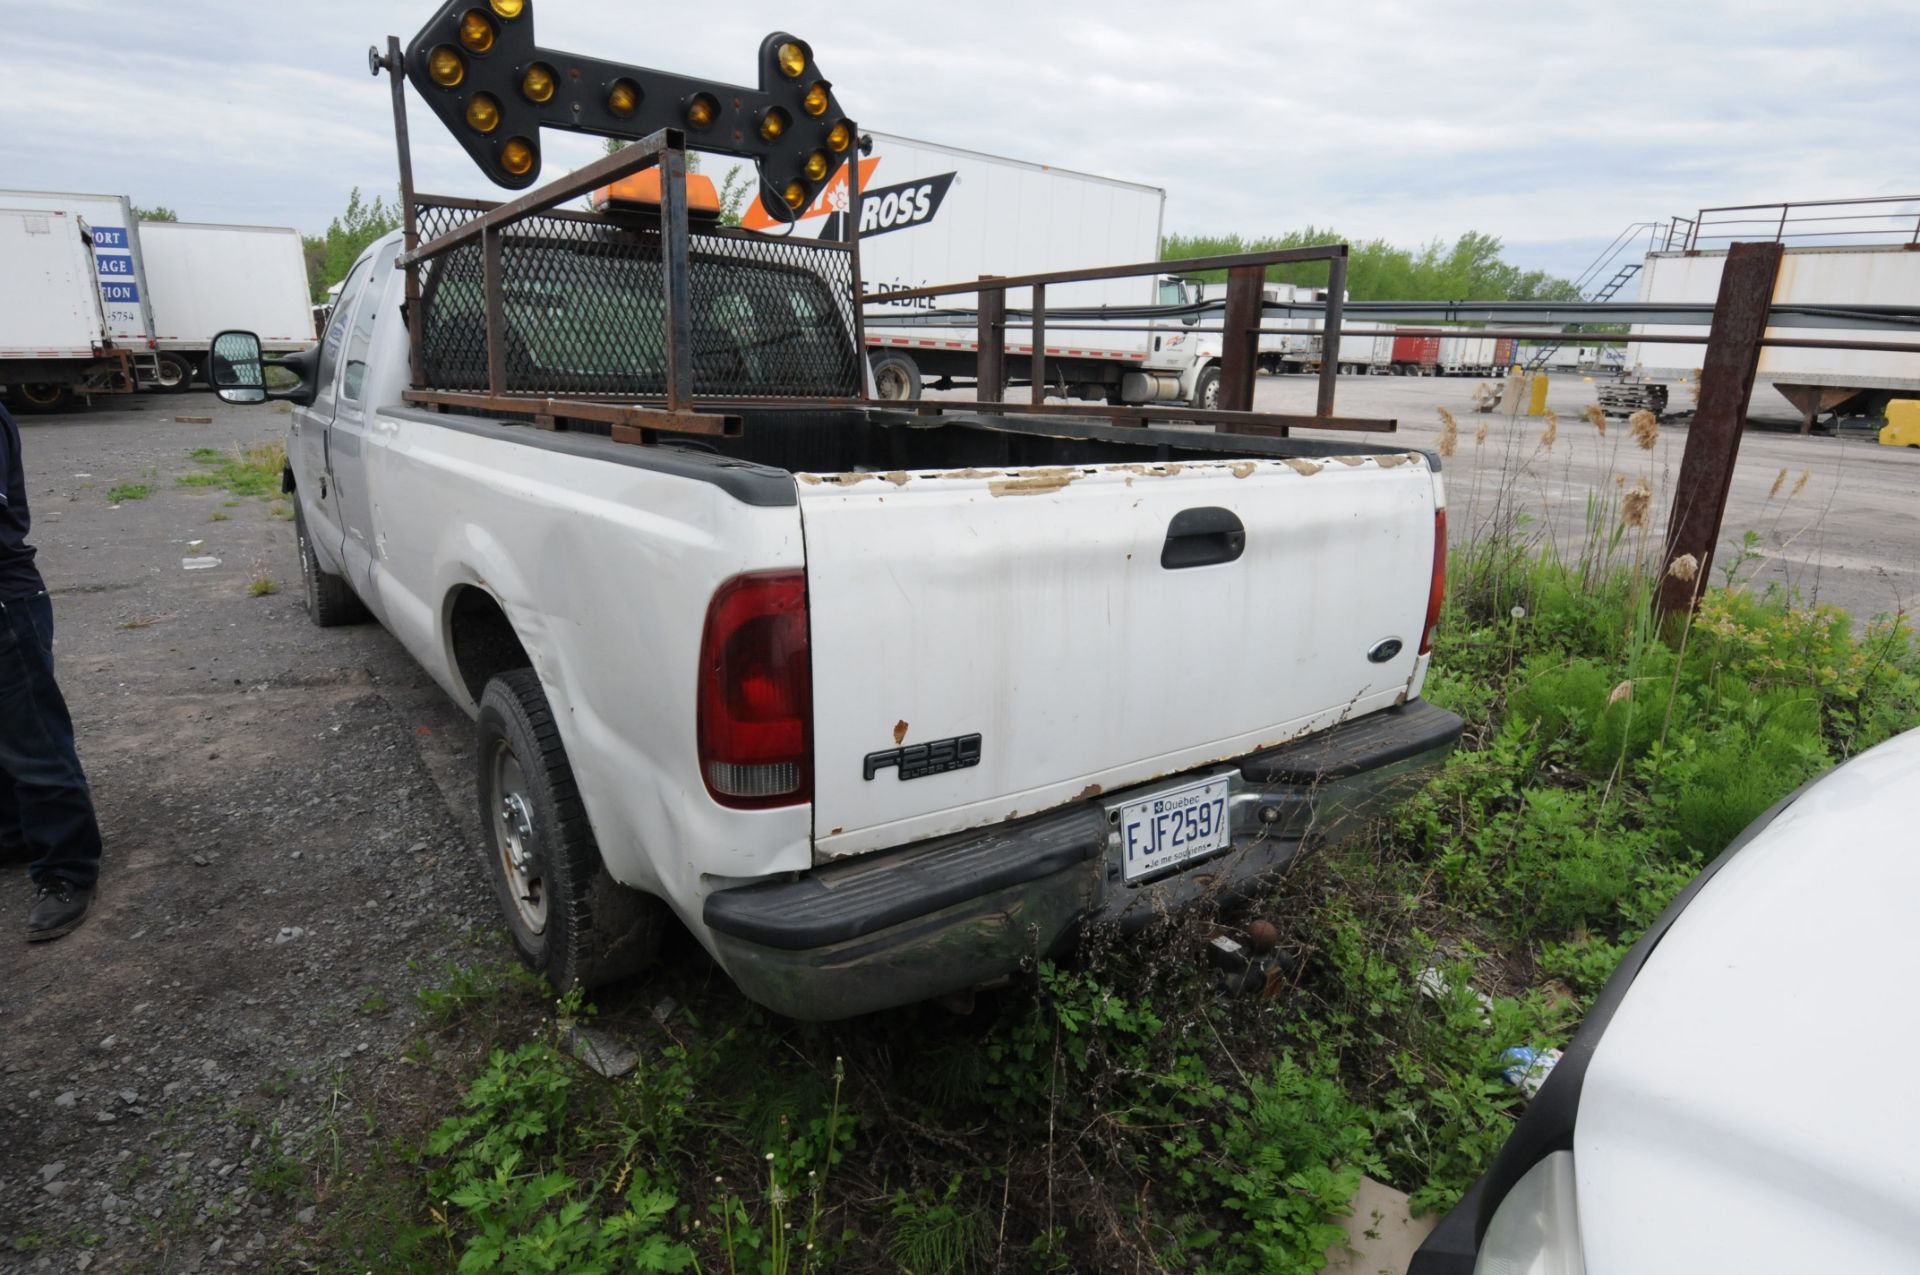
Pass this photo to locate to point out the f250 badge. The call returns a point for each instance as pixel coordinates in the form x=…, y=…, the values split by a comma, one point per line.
x=917, y=761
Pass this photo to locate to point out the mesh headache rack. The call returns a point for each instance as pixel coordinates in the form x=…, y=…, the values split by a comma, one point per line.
x=625, y=315
x=646, y=316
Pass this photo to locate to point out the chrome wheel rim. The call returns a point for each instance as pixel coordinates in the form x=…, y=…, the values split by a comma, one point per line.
x=516, y=841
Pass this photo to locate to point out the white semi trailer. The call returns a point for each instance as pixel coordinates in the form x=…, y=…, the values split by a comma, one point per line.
x=933, y=214
x=55, y=339
x=206, y=278
x=1815, y=381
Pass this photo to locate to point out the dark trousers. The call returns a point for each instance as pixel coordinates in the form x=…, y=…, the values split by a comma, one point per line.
x=45, y=807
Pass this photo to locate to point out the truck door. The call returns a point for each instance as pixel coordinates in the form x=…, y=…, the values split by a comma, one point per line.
x=311, y=444
x=1172, y=342
x=348, y=431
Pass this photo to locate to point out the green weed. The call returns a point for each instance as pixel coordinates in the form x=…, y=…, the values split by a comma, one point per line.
x=121, y=492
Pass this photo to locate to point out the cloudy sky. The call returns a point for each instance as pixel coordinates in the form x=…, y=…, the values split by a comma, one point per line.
x=1553, y=126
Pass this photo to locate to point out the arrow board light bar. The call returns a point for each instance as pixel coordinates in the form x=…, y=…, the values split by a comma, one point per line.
x=477, y=66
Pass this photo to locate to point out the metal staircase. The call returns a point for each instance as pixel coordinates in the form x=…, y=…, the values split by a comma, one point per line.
x=1606, y=293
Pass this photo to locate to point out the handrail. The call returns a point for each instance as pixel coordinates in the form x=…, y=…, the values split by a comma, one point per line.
x=1780, y=217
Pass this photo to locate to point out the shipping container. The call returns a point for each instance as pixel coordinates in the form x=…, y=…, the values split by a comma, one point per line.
x=1415, y=355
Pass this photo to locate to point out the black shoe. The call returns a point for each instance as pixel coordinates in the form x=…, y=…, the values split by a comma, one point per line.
x=58, y=909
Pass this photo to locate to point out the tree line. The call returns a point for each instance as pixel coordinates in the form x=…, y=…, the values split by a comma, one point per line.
x=1471, y=268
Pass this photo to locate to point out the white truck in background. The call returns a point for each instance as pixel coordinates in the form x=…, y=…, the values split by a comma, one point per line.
x=205, y=277
x=159, y=285
x=54, y=333
x=934, y=214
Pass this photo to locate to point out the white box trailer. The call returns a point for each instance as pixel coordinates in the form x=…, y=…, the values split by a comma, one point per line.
x=207, y=278
x=933, y=214
x=122, y=282
x=1813, y=380
x=54, y=337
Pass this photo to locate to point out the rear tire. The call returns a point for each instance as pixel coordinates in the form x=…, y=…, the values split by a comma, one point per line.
x=896, y=378
x=175, y=374
x=330, y=600
x=41, y=398
x=569, y=919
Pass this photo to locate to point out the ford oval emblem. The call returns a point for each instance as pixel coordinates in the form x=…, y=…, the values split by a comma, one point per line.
x=1384, y=650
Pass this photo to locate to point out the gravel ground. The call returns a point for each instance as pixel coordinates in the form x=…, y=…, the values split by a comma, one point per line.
x=288, y=822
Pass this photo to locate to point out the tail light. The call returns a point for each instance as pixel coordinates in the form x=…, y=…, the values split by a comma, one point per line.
x=1437, y=590
x=756, y=692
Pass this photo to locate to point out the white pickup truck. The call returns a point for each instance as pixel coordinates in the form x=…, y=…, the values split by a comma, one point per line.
x=880, y=706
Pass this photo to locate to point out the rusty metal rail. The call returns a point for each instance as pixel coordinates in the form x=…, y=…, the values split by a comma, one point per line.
x=1239, y=362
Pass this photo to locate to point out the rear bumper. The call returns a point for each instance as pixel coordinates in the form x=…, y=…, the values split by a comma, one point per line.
x=904, y=925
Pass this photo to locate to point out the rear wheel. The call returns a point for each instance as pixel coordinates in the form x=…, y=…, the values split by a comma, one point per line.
x=896, y=378
x=569, y=919
x=40, y=398
x=173, y=373
x=330, y=600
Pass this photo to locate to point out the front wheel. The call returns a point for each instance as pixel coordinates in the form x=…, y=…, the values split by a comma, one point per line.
x=569, y=919
x=330, y=600
x=1206, y=390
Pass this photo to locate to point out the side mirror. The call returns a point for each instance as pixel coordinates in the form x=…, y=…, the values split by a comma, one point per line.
x=237, y=370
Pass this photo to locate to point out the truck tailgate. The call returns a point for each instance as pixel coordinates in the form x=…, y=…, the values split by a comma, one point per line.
x=1052, y=634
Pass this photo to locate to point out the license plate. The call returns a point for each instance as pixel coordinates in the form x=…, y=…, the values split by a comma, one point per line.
x=1169, y=828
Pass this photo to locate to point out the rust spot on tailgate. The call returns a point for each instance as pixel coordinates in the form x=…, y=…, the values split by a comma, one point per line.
x=1244, y=468
x=899, y=477
x=1305, y=468
x=1389, y=462
x=1351, y=460
x=899, y=730
x=812, y=480
x=1089, y=792
x=1035, y=483
x=849, y=479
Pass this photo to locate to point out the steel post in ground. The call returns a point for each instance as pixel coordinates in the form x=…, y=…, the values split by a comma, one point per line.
x=1330, y=331
x=1240, y=338
x=990, y=364
x=1713, y=439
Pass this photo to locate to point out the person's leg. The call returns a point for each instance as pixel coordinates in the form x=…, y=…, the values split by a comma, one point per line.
x=37, y=755
x=13, y=840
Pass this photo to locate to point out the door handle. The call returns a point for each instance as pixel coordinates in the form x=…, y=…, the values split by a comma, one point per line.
x=1203, y=537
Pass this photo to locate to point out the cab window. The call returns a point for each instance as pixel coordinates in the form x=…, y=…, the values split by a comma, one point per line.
x=353, y=382
x=337, y=325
